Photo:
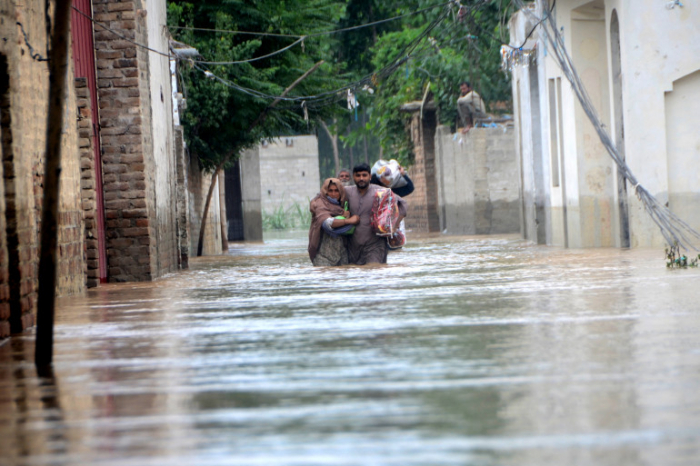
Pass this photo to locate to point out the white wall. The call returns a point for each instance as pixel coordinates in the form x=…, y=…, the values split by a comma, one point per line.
x=289, y=172
x=162, y=127
x=660, y=58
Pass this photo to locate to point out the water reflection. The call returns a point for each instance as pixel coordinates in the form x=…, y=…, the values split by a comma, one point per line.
x=481, y=351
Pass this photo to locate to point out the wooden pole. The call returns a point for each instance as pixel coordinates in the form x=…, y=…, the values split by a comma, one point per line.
x=258, y=120
x=58, y=69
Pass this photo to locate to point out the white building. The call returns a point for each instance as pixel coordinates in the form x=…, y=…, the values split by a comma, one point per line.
x=640, y=63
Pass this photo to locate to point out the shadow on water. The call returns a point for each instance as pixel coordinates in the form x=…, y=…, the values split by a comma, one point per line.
x=460, y=351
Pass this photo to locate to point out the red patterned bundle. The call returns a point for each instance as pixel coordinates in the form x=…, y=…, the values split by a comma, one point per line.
x=385, y=212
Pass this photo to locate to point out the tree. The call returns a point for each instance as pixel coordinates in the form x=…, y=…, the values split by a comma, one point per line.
x=234, y=110
x=458, y=46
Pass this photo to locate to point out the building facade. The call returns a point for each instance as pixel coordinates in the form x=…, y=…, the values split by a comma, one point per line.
x=129, y=192
x=640, y=64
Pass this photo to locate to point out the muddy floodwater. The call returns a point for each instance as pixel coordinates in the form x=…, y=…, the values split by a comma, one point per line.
x=461, y=351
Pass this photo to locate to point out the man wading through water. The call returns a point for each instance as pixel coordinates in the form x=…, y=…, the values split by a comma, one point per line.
x=364, y=246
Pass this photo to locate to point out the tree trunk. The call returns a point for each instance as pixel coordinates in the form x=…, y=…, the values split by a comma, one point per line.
x=58, y=69
x=258, y=120
x=366, y=152
x=334, y=142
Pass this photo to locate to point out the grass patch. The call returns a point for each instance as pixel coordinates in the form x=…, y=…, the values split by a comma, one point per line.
x=286, y=218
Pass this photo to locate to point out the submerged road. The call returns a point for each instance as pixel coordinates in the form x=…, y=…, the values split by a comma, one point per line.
x=462, y=351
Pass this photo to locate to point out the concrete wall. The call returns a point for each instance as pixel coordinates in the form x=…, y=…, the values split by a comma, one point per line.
x=198, y=187
x=251, y=194
x=641, y=90
x=164, y=162
x=478, y=181
x=289, y=172
x=24, y=89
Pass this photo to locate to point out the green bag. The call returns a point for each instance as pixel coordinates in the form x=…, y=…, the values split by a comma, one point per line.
x=340, y=217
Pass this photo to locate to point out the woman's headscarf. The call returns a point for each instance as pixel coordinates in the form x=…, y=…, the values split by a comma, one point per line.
x=321, y=210
x=327, y=183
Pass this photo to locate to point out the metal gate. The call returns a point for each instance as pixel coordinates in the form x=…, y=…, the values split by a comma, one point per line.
x=84, y=62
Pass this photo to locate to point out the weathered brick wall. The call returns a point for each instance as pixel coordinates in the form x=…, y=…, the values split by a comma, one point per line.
x=70, y=273
x=123, y=145
x=88, y=182
x=23, y=109
x=423, y=203
x=139, y=176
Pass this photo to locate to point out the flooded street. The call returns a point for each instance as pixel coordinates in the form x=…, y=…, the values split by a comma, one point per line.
x=462, y=351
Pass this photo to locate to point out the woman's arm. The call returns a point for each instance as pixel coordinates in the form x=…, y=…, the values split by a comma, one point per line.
x=341, y=222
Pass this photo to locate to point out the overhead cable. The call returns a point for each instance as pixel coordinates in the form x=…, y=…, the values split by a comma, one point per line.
x=315, y=34
x=673, y=228
x=121, y=36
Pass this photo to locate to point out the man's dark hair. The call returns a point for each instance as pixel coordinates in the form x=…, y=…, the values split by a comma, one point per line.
x=466, y=82
x=363, y=167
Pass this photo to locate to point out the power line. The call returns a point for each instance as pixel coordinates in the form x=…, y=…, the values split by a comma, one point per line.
x=320, y=33
x=277, y=52
x=336, y=93
x=673, y=228
x=228, y=31
x=121, y=36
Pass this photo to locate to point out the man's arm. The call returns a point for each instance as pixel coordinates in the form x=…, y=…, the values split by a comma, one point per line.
x=403, y=208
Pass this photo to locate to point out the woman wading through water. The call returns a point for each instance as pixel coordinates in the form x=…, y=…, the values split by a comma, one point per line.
x=327, y=243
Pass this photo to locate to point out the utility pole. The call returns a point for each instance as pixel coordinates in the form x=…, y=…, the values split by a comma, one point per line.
x=58, y=68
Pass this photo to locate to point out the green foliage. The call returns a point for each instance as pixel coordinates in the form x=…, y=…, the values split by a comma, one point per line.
x=674, y=258
x=281, y=218
x=219, y=120
x=455, y=51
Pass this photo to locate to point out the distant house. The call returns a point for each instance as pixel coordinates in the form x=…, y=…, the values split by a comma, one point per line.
x=640, y=64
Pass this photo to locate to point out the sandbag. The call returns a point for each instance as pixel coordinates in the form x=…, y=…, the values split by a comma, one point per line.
x=385, y=212
x=390, y=170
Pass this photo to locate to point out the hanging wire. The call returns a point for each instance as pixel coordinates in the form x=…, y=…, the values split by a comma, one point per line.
x=121, y=36
x=320, y=33
x=277, y=52
x=335, y=94
x=674, y=230
x=35, y=55
x=229, y=31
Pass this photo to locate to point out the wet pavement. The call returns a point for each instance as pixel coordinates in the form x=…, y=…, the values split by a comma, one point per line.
x=462, y=351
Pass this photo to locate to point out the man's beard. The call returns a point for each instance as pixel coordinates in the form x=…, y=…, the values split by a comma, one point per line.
x=362, y=184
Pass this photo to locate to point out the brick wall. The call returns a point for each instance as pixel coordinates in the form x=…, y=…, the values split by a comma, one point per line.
x=123, y=146
x=88, y=182
x=423, y=202
x=139, y=175
x=23, y=108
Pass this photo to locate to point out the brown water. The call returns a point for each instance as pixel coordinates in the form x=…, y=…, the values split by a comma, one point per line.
x=462, y=351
